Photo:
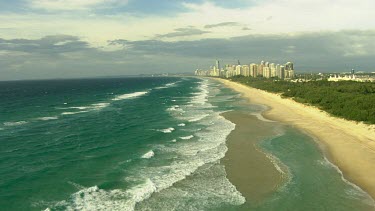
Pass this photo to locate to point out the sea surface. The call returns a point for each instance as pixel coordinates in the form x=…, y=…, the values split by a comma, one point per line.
x=147, y=144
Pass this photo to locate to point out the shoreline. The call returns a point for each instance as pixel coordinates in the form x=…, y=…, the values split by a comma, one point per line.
x=348, y=145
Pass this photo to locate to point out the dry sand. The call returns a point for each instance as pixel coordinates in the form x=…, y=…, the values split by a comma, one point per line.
x=349, y=145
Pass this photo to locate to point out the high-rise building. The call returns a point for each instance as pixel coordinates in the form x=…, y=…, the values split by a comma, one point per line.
x=272, y=67
x=291, y=73
x=245, y=70
x=253, y=70
x=238, y=70
x=282, y=72
x=218, y=64
x=279, y=73
x=289, y=70
x=260, y=69
x=266, y=72
x=265, y=69
x=289, y=66
x=273, y=72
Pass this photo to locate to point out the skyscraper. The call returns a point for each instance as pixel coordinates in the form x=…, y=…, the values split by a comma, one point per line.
x=218, y=65
x=245, y=70
x=289, y=66
x=266, y=72
x=238, y=69
x=260, y=69
x=282, y=72
x=253, y=70
x=289, y=70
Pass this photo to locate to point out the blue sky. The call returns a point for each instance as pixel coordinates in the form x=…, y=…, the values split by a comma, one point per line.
x=85, y=38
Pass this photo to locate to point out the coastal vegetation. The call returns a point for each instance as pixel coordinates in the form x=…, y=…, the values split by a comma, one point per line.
x=346, y=99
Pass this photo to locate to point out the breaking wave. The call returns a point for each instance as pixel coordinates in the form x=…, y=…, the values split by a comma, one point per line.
x=129, y=96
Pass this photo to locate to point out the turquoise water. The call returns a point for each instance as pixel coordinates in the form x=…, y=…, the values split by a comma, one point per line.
x=145, y=144
x=313, y=182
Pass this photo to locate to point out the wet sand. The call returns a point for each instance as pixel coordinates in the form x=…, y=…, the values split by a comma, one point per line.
x=247, y=167
x=349, y=145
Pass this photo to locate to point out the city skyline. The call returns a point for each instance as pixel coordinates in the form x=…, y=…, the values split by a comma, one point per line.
x=263, y=69
x=67, y=39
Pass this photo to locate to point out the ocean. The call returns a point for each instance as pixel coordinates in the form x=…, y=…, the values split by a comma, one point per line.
x=149, y=143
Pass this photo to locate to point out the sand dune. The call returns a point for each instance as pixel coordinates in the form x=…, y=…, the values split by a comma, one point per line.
x=349, y=145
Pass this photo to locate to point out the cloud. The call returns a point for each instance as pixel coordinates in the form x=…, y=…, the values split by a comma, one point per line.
x=309, y=50
x=182, y=32
x=70, y=56
x=98, y=26
x=209, y=26
x=51, y=45
x=138, y=35
x=72, y=4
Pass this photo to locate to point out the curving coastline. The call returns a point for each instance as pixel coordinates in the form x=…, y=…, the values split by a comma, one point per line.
x=349, y=145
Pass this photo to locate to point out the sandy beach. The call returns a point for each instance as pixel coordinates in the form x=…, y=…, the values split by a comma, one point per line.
x=347, y=144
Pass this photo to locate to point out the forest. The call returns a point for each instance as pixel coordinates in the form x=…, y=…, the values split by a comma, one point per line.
x=346, y=99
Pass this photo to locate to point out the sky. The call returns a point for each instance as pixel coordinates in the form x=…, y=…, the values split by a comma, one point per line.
x=42, y=39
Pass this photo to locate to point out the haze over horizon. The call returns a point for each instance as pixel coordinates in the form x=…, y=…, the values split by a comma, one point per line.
x=42, y=39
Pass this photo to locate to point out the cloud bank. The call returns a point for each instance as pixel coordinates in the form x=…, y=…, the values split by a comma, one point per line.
x=68, y=56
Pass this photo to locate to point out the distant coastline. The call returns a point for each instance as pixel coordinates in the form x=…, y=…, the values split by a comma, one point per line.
x=348, y=144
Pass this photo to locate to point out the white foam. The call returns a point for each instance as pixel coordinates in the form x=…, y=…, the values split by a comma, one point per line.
x=210, y=148
x=209, y=189
x=369, y=200
x=201, y=97
x=129, y=96
x=275, y=161
x=94, y=198
x=166, y=85
x=79, y=107
x=182, y=125
x=76, y=185
x=261, y=117
x=84, y=109
x=174, y=140
x=98, y=106
x=167, y=130
x=198, y=118
x=175, y=108
x=47, y=118
x=192, y=155
x=9, y=124
x=125, y=161
x=187, y=137
x=148, y=155
x=72, y=113
x=188, y=157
